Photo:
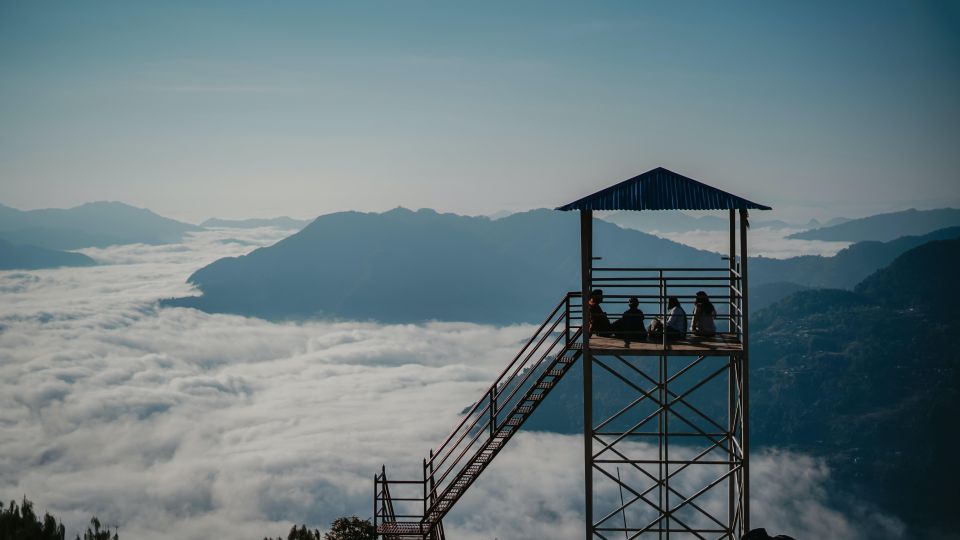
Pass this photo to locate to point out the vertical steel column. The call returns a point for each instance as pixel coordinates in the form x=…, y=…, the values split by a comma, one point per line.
x=663, y=494
x=665, y=437
x=586, y=269
x=732, y=259
x=745, y=368
x=732, y=382
x=731, y=448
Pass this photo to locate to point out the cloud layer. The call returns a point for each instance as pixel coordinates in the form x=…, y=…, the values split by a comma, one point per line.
x=178, y=423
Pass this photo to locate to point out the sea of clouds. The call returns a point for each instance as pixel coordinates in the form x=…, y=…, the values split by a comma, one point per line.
x=764, y=242
x=176, y=423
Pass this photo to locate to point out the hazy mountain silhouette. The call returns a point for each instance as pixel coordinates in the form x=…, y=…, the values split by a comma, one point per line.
x=675, y=221
x=845, y=269
x=282, y=222
x=96, y=224
x=870, y=380
x=14, y=257
x=667, y=221
x=764, y=294
x=885, y=227
x=404, y=266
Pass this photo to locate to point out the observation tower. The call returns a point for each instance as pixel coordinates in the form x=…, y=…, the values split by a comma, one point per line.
x=666, y=440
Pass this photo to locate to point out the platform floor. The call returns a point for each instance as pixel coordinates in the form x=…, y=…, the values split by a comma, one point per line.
x=719, y=345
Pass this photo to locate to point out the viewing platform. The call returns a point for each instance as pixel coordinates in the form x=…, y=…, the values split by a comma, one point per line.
x=718, y=345
x=652, y=288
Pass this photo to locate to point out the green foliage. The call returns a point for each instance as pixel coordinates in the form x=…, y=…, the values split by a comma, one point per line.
x=303, y=533
x=96, y=533
x=870, y=380
x=21, y=523
x=300, y=533
x=352, y=528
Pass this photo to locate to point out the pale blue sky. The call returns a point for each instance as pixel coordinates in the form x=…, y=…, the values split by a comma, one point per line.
x=243, y=109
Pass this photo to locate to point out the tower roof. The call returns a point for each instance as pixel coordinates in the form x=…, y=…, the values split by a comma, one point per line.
x=661, y=189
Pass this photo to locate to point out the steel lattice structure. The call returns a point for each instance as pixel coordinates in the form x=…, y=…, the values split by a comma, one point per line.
x=666, y=433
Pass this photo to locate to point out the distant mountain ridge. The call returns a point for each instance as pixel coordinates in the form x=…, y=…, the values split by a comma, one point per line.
x=886, y=227
x=843, y=270
x=404, y=266
x=14, y=257
x=679, y=222
x=96, y=224
x=869, y=379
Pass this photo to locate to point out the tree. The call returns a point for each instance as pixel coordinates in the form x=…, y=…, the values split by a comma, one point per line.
x=21, y=523
x=96, y=533
x=352, y=528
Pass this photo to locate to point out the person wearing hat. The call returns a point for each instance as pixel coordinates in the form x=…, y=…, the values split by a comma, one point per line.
x=597, y=321
x=630, y=326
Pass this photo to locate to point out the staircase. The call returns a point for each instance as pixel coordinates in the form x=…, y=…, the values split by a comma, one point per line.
x=483, y=432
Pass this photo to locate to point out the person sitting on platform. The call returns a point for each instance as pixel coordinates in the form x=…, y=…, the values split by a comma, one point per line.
x=704, y=315
x=597, y=321
x=676, y=327
x=630, y=327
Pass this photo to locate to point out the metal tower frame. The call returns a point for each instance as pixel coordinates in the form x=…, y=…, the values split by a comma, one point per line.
x=670, y=460
x=713, y=445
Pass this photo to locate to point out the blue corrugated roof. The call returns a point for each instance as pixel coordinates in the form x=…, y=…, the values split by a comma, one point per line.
x=661, y=189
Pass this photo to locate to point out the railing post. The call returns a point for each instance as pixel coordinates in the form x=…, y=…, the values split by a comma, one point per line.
x=424, y=489
x=566, y=321
x=663, y=310
x=376, y=485
x=493, y=412
x=433, y=488
x=732, y=264
x=740, y=312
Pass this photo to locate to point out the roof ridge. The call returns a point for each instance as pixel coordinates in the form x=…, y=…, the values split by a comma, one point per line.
x=661, y=189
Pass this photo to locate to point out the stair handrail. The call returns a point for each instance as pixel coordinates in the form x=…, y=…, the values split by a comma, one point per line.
x=435, y=514
x=491, y=392
x=531, y=371
x=499, y=378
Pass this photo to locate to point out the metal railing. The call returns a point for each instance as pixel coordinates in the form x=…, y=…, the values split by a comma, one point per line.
x=488, y=415
x=653, y=287
x=484, y=421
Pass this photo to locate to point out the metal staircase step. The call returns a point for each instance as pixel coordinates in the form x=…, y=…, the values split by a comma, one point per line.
x=524, y=409
x=514, y=421
x=556, y=372
x=566, y=359
x=546, y=385
x=403, y=527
